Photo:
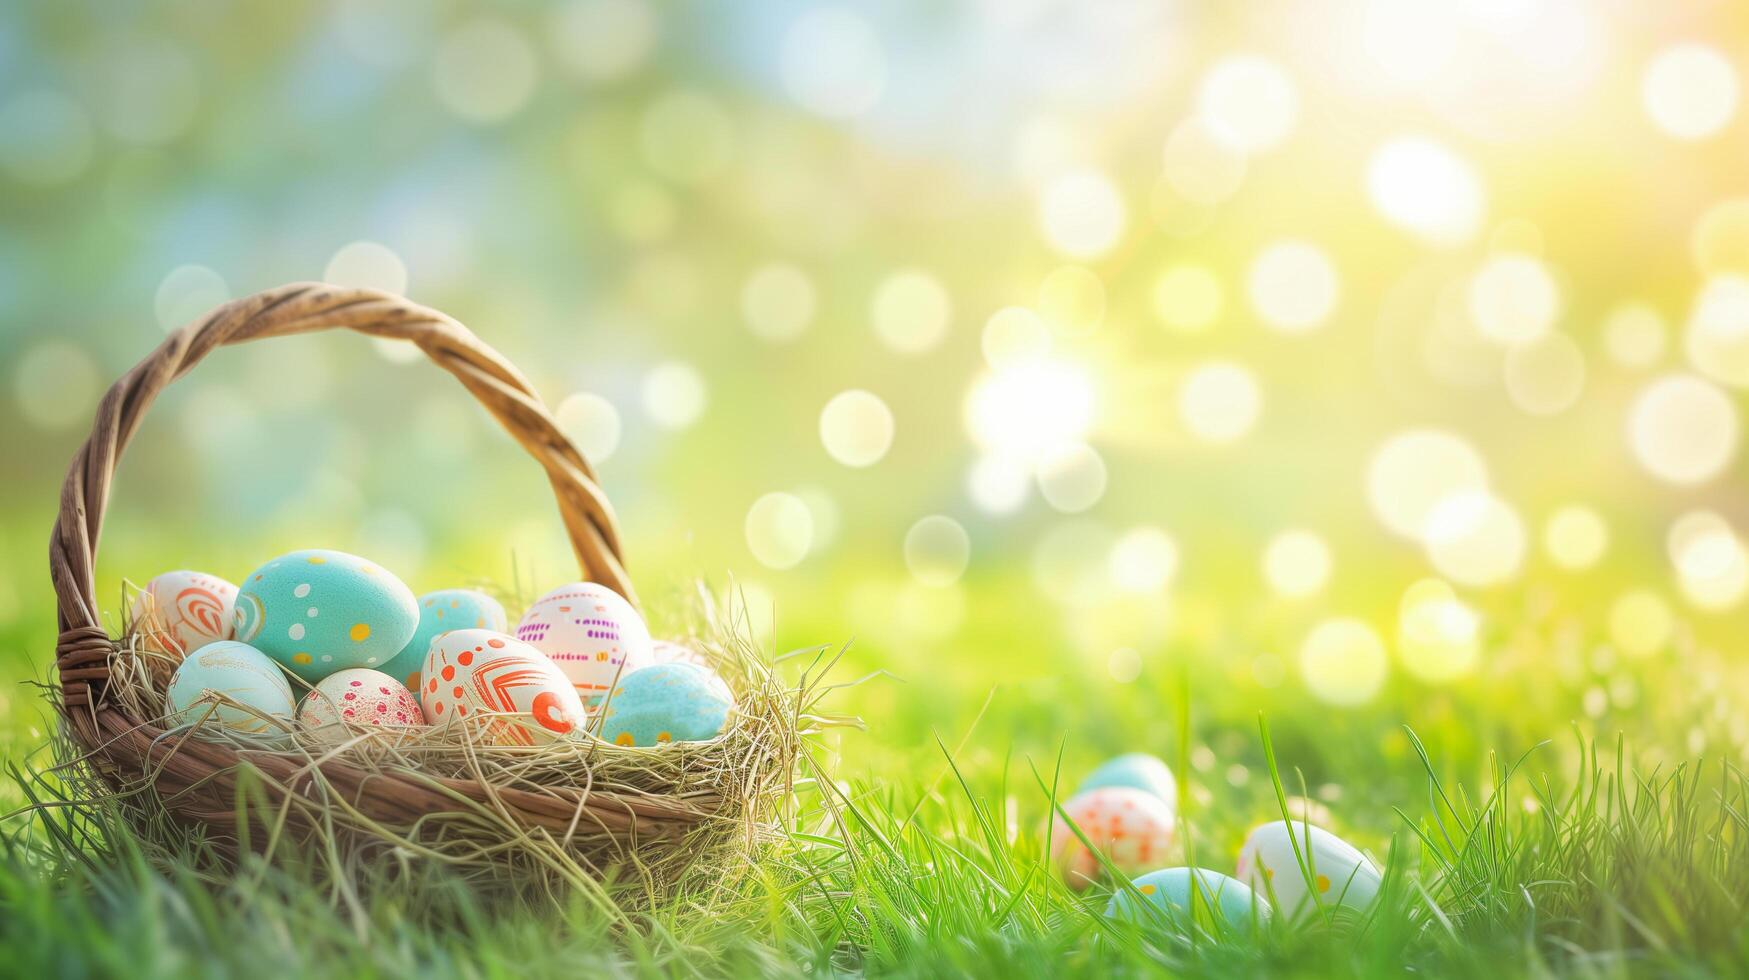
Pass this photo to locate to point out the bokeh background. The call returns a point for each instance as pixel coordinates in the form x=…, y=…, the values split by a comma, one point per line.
x=1363, y=364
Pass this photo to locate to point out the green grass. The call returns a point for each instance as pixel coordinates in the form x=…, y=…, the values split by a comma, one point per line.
x=1611, y=871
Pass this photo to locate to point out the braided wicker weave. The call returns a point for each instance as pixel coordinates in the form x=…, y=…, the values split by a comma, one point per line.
x=578, y=808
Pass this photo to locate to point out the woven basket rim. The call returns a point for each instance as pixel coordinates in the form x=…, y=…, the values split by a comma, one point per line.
x=193, y=778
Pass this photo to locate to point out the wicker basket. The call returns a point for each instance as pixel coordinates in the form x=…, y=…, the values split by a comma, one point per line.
x=578, y=809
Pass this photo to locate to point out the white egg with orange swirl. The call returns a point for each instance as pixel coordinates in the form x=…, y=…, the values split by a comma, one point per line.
x=180, y=612
x=473, y=672
x=591, y=632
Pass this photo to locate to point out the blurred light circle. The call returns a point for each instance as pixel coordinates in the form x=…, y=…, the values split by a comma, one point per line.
x=1188, y=297
x=1575, y=537
x=1545, y=376
x=47, y=137
x=1438, y=635
x=1023, y=412
x=154, y=91
x=1717, y=337
x=1720, y=241
x=674, y=394
x=998, y=484
x=1293, y=286
x=368, y=265
x=1342, y=662
x=778, y=302
x=1711, y=564
x=687, y=137
x=1220, y=402
x=780, y=530
x=911, y=311
x=937, y=550
x=1683, y=429
x=1071, y=564
x=832, y=63
x=55, y=384
x=1014, y=335
x=1082, y=214
x=1144, y=561
x=483, y=71
x=1071, y=477
x=1413, y=471
x=1475, y=538
x=1124, y=665
x=1634, y=335
x=856, y=428
x=1072, y=299
x=1200, y=165
x=604, y=39
x=1690, y=90
x=187, y=293
x=1513, y=298
x=1426, y=189
x=592, y=423
x=1296, y=564
x=1249, y=101
x=823, y=508
x=1641, y=623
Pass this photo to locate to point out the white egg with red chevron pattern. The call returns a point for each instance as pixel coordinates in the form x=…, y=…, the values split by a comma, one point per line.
x=591, y=632
x=473, y=672
x=1275, y=861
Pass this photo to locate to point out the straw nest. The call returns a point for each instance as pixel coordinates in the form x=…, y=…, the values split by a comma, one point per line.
x=572, y=812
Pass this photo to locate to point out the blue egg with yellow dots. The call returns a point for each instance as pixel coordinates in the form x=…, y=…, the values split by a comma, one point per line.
x=1166, y=898
x=662, y=703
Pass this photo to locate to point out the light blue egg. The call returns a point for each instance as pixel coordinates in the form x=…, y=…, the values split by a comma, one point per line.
x=242, y=674
x=1137, y=770
x=440, y=612
x=665, y=703
x=317, y=611
x=1168, y=892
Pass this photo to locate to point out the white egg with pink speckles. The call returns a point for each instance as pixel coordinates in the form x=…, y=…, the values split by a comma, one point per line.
x=358, y=696
x=590, y=632
x=1135, y=830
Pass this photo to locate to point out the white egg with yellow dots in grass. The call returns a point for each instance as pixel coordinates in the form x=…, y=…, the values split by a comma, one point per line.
x=1134, y=830
x=1277, y=857
x=591, y=632
x=473, y=673
x=235, y=687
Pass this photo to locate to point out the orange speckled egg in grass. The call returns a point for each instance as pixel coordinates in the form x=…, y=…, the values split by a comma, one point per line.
x=471, y=672
x=1136, y=831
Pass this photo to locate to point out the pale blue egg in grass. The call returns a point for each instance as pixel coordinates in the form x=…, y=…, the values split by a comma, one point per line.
x=234, y=686
x=1137, y=770
x=663, y=703
x=440, y=612
x=1165, y=899
x=319, y=611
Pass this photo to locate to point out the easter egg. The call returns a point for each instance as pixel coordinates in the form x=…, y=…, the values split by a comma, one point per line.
x=591, y=632
x=1137, y=770
x=210, y=679
x=663, y=703
x=1168, y=891
x=440, y=612
x=669, y=652
x=320, y=611
x=1135, y=831
x=181, y=611
x=359, y=696
x=472, y=671
x=1340, y=873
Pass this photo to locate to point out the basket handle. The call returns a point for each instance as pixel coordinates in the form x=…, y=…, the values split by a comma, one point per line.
x=304, y=308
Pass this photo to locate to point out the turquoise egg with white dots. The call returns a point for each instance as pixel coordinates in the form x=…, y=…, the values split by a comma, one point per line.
x=665, y=703
x=1163, y=898
x=318, y=611
x=232, y=686
x=440, y=612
